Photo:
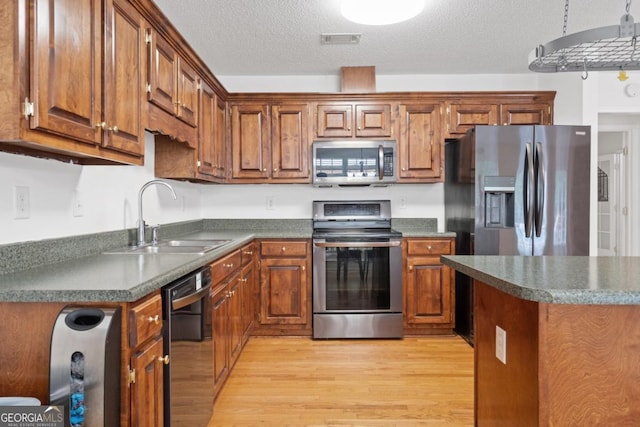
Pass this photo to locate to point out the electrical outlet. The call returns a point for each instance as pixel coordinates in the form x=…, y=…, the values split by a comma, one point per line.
x=78, y=206
x=403, y=202
x=22, y=205
x=501, y=344
x=270, y=203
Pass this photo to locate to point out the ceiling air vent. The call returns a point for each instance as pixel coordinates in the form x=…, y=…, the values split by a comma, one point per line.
x=340, y=38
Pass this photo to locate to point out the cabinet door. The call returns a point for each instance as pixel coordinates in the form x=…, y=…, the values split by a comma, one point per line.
x=283, y=291
x=250, y=141
x=220, y=139
x=236, y=293
x=207, y=130
x=187, y=93
x=334, y=120
x=124, y=53
x=463, y=117
x=421, y=150
x=147, y=403
x=373, y=120
x=525, y=114
x=67, y=68
x=428, y=291
x=290, y=141
x=220, y=339
x=249, y=298
x=162, y=69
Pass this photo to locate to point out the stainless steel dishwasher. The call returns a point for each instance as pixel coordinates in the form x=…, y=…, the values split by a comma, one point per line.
x=188, y=378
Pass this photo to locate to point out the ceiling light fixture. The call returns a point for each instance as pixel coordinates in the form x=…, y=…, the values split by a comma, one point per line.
x=381, y=12
x=598, y=49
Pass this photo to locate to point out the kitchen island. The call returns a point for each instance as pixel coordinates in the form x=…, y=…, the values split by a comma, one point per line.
x=557, y=339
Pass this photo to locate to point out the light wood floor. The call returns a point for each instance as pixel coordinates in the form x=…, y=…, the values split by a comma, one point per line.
x=392, y=383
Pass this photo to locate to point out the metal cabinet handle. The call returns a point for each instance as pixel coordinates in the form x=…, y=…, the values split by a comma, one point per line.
x=101, y=125
x=248, y=252
x=114, y=129
x=164, y=360
x=154, y=319
x=228, y=265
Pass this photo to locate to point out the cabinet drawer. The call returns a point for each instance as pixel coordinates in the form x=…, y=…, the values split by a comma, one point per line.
x=248, y=252
x=221, y=268
x=145, y=320
x=284, y=249
x=429, y=247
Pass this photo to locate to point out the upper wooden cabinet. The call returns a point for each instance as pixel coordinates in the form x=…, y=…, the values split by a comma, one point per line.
x=77, y=95
x=172, y=91
x=498, y=109
x=204, y=162
x=290, y=141
x=349, y=120
x=250, y=141
x=526, y=114
x=420, y=145
x=270, y=143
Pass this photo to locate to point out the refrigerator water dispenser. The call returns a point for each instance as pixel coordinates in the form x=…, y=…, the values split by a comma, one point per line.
x=498, y=201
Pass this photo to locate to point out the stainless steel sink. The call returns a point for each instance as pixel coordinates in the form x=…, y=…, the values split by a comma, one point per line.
x=197, y=247
x=207, y=243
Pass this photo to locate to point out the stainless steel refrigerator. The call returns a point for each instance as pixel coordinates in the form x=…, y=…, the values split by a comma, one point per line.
x=516, y=190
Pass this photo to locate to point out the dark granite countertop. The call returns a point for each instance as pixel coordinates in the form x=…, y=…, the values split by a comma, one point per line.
x=75, y=269
x=556, y=279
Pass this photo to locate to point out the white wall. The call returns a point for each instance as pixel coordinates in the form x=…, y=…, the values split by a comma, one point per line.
x=109, y=193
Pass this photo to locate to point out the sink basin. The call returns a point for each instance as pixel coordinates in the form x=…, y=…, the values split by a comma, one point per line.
x=197, y=247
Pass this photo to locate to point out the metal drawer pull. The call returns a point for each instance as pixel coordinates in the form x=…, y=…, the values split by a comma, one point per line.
x=154, y=319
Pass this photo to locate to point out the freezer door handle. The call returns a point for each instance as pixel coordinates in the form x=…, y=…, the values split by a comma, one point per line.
x=539, y=191
x=527, y=193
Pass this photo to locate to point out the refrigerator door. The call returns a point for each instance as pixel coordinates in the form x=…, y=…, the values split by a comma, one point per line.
x=504, y=188
x=562, y=163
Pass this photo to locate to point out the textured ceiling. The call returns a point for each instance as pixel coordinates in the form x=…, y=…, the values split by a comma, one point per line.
x=282, y=37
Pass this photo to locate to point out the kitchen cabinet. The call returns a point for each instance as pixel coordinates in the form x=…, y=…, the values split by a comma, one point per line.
x=420, y=145
x=371, y=120
x=290, y=141
x=232, y=309
x=172, y=91
x=250, y=141
x=498, y=109
x=146, y=372
x=72, y=80
x=285, y=287
x=269, y=143
x=206, y=161
x=526, y=114
x=428, y=286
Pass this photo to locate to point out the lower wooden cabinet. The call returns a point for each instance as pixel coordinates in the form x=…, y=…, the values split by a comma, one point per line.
x=146, y=362
x=232, y=309
x=285, y=287
x=428, y=286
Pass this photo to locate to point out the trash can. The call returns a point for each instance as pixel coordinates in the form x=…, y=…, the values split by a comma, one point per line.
x=19, y=401
x=84, y=374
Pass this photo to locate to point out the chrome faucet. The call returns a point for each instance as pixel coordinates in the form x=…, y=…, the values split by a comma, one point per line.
x=141, y=224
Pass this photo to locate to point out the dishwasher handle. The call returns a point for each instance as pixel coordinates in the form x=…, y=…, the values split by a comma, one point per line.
x=186, y=300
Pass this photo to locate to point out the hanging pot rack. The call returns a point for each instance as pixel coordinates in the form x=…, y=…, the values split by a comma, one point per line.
x=597, y=49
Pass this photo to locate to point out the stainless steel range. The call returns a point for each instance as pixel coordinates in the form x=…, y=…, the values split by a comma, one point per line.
x=357, y=270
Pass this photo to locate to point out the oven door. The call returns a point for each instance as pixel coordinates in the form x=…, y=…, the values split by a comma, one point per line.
x=357, y=275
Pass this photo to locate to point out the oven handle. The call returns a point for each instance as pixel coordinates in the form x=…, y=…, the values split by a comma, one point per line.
x=392, y=243
x=179, y=303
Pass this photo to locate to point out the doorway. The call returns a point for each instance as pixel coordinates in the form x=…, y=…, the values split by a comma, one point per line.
x=618, y=210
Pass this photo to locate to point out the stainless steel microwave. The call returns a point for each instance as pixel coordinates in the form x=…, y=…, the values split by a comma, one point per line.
x=354, y=162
